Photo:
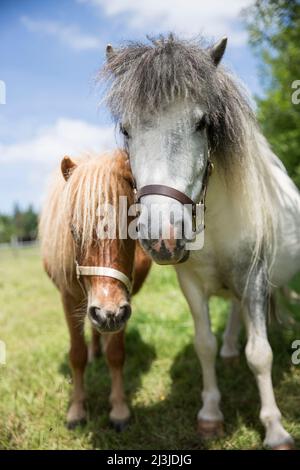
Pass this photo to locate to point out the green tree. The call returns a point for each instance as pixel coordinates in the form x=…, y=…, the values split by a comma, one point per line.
x=274, y=29
x=30, y=222
x=21, y=225
x=6, y=228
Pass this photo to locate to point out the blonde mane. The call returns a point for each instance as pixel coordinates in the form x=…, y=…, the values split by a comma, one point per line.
x=96, y=181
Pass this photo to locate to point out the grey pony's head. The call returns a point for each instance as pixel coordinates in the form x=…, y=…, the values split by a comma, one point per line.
x=174, y=102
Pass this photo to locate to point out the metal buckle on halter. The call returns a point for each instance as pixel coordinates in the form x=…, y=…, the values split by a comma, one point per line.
x=136, y=202
x=194, y=217
x=198, y=217
x=134, y=194
x=77, y=270
x=198, y=209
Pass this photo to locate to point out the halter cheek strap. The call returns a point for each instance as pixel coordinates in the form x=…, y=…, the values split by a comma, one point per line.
x=103, y=271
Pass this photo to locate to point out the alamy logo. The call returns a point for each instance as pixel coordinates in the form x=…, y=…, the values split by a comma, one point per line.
x=2, y=353
x=2, y=92
x=113, y=223
x=296, y=353
x=296, y=94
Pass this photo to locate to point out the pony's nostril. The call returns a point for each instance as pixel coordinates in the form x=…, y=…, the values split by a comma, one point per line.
x=124, y=312
x=95, y=314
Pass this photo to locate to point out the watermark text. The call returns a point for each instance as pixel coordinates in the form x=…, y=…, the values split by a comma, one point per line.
x=2, y=92
x=2, y=353
x=296, y=353
x=296, y=93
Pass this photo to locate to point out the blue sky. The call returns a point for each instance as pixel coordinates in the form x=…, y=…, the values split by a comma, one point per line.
x=49, y=54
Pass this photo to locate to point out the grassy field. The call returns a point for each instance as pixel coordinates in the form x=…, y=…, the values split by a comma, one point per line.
x=162, y=373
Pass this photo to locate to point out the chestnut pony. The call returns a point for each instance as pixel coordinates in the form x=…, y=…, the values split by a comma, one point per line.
x=95, y=275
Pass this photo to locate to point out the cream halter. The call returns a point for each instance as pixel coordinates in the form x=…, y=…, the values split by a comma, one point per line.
x=103, y=271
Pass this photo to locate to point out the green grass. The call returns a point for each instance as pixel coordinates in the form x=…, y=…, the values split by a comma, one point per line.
x=162, y=373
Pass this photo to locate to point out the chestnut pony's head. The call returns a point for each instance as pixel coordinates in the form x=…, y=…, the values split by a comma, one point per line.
x=83, y=223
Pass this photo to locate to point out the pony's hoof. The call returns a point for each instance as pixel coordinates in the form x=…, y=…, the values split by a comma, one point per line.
x=75, y=423
x=119, y=425
x=286, y=446
x=210, y=429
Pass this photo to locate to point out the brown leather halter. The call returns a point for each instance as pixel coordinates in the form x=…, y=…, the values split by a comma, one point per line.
x=163, y=190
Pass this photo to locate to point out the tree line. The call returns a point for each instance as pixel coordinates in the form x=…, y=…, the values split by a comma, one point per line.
x=20, y=226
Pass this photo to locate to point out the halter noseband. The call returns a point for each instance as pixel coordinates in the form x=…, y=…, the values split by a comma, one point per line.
x=163, y=190
x=103, y=271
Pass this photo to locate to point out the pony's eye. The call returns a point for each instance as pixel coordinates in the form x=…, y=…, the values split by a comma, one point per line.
x=202, y=123
x=124, y=131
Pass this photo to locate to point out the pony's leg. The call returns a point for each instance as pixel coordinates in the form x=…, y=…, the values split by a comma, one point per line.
x=114, y=348
x=259, y=357
x=230, y=348
x=210, y=417
x=94, y=346
x=78, y=359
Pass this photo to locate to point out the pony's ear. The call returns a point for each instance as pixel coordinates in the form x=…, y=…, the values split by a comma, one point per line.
x=110, y=52
x=67, y=167
x=217, y=51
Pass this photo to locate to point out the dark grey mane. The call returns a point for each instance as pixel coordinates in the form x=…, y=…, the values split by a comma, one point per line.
x=143, y=78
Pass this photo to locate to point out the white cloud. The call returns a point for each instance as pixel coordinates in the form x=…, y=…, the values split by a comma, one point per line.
x=27, y=165
x=214, y=18
x=66, y=136
x=67, y=34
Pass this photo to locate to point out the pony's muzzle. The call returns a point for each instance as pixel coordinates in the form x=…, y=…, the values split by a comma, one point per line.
x=109, y=321
x=161, y=229
x=164, y=249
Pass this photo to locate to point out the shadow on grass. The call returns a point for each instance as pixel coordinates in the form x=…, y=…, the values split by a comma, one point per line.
x=171, y=422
